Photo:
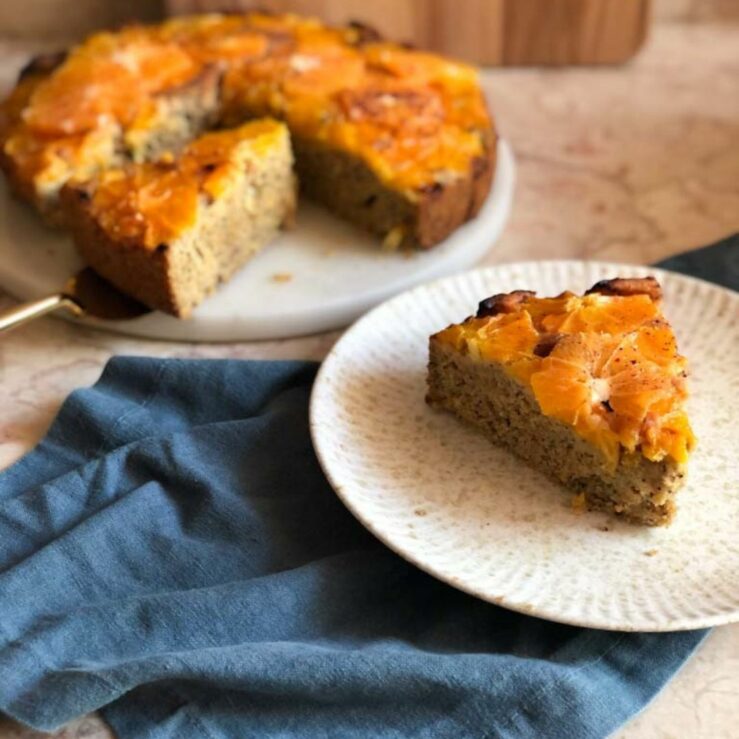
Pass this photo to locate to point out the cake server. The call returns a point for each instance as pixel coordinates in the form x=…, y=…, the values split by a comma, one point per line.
x=85, y=295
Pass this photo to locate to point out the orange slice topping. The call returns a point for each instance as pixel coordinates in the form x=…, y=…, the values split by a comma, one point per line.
x=155, y=202
x=603, y=314
x=605, y=364
x=107, y=79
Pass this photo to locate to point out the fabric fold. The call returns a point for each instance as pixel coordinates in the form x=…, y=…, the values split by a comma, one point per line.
x=171, y=553
x=185, y=565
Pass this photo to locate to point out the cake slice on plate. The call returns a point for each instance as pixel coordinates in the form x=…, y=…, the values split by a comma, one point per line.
x=169, y=232
x=589, y=389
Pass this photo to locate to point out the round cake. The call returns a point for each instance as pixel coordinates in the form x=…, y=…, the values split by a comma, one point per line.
x=396, y=140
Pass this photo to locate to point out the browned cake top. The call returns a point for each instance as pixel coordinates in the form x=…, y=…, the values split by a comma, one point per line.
x=417, y=119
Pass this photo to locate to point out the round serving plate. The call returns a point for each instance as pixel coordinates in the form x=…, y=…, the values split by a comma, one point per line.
x=321, y=275
x=447, y=500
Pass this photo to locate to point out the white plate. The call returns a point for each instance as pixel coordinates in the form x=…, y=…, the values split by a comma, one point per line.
x=447, y=500
x=336, y=272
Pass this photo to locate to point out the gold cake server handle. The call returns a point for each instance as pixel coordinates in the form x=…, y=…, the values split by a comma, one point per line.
x=86, y=294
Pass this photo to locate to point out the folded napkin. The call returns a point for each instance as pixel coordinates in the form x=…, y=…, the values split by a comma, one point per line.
x=172, y=552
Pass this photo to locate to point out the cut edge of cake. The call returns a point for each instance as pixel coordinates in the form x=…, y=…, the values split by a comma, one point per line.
x=346, y=185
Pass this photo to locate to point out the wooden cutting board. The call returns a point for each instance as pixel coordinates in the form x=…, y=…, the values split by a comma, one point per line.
x=491, y=32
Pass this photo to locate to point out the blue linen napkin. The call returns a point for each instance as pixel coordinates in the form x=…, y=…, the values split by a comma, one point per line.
x=171, y=551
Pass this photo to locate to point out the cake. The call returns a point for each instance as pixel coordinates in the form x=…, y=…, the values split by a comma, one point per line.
x=588, y=389
x=169, y=232
x=396, y=140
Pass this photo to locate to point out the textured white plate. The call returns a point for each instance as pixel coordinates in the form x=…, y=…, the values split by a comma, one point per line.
x=336, y=272
x=447, y=500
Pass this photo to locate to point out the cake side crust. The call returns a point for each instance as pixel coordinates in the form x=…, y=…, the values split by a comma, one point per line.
x=443, y=209
x=140, y=273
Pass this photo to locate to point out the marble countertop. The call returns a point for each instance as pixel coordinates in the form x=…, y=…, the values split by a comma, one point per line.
x=626, y=164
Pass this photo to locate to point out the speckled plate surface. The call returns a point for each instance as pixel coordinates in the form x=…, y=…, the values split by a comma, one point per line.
x=447, y=500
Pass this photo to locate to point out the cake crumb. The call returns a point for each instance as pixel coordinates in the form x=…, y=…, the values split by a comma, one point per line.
x=282, y=277
x=650, y=552
x=578, y=503
x=420, y=511
x=393, y=238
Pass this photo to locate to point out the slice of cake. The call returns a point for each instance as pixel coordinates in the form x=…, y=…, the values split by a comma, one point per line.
x=168, y=232
x=589, y=389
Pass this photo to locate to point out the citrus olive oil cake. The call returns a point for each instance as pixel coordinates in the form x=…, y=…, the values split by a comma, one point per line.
x=396, y=140
x=589, y=389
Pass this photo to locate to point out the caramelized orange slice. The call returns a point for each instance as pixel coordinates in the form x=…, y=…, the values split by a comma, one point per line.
x=156, y=202
x=106, y=80
x=604, y=314
x=605, y=363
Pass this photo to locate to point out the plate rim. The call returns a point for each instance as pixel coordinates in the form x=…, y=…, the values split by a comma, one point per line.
x=321, y=386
